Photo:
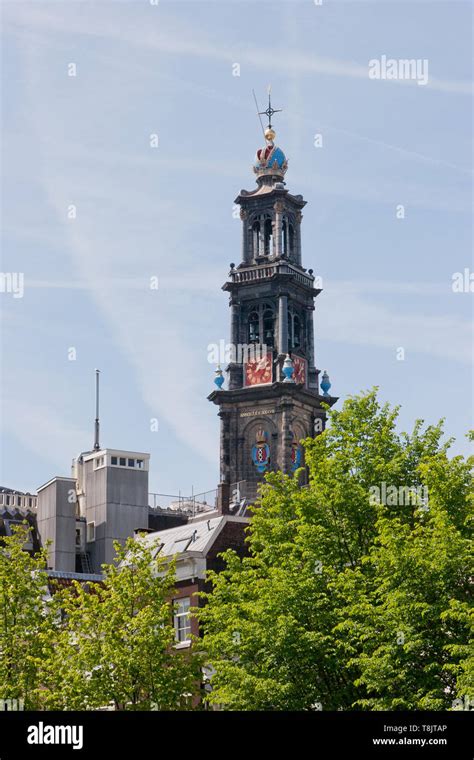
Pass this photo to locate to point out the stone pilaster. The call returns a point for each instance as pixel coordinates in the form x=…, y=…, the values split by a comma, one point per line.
x=299, y=217
x=225, y=446
x=312, y=374
x=286, y=407
x=282, y=324
x=246, y=248
x=278, y=207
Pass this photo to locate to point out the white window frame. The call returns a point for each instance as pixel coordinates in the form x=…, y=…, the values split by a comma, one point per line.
x=182, y=621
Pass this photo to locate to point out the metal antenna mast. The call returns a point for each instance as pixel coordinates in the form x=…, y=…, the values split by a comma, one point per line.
x=258, y=112
x=96, y=436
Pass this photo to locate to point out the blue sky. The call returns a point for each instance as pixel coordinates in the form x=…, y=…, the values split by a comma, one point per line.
x=168, y=212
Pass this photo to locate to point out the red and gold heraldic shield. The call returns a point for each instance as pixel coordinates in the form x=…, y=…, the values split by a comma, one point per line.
x=299, y=375
x=259, y=371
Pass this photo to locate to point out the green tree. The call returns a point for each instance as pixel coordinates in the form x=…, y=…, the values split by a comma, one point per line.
x=349, y=599
x=24, y=619
x=114, y=641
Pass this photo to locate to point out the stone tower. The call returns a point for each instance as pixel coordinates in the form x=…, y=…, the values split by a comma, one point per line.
x=273, y=398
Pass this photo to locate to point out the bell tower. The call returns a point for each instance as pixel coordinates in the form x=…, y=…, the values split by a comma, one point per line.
x=273, y=398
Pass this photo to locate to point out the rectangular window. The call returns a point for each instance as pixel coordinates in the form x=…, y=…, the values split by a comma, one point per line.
x=131, y=463
x=90, y=532
x=123, y=462
x=182, y=622
x=114, y=460
x=140, y=464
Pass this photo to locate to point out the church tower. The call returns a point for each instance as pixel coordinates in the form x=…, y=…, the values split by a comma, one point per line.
x=273, y=399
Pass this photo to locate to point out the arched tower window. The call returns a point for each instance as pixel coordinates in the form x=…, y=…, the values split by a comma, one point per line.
x=288, y=238
x=268, y=237
x=261, y=325
x=295, y=332
x=256, y=238
x=254, y=327
x=291, y=239
x=268, y=328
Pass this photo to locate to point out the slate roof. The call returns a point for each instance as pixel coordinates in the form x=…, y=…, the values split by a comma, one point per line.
x=194, y=537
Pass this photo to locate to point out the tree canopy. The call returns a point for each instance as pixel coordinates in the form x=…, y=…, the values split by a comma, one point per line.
x=357, y=590
x=96, y=645
x=356, y=594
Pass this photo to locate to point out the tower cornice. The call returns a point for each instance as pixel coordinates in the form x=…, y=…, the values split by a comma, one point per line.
x=276, y=191
x=275, y=392
x=280, y=271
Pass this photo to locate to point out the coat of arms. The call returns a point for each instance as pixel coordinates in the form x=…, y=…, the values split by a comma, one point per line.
x=295, y=454
x=261, y=451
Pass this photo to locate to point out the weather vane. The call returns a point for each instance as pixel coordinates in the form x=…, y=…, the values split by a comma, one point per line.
x=270, y=111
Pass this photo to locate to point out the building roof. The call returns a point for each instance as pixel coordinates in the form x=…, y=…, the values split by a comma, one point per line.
x=60, y=575
x=3, y=489
x=192, y=538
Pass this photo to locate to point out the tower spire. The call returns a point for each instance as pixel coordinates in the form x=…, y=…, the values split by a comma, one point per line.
x=270, y=111
x=97, y=424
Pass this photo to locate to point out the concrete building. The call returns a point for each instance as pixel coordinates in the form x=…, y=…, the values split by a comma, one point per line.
x=16, y=507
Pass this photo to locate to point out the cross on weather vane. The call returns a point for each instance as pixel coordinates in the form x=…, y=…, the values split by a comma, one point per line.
x=270, y=111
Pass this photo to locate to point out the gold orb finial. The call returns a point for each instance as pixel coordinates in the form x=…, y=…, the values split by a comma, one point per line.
x=270, y=134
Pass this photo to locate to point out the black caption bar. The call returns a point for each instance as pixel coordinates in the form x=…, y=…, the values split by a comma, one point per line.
x=126, y=734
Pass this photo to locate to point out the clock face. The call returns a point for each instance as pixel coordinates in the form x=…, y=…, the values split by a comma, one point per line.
x=259, y=371
x=299, y=375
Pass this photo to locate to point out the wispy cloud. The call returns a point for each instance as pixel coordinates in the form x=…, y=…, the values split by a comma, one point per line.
x=349, y=317
x=178, y=40
x=162, y=350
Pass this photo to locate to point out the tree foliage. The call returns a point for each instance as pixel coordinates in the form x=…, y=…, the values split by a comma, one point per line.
x=24, y=618
x=93, y=646
x=349, y=601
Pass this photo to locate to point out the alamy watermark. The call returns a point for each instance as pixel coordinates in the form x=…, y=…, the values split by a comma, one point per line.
x=415, y=69
x=399, y=496
x=12, y=705
x=463, y=282
x=12, y=282
x=466, y=703
x=231, y=353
